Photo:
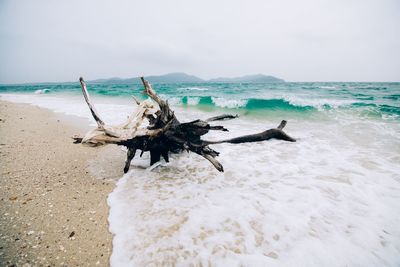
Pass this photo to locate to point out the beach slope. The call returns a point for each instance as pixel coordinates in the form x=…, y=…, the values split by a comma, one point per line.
x=53, y=209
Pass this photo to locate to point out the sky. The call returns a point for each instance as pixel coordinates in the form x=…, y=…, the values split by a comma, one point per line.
x=310, y=40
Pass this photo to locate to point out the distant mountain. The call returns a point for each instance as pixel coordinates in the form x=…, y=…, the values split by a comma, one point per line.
x=180, y=77
x=257, y=78
x=114, y=79
x=177, y=77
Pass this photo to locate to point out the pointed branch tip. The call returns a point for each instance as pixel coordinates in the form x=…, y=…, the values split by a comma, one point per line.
x=282, y=125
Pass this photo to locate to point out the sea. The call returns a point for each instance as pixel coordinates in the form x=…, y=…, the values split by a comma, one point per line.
x=330, y=199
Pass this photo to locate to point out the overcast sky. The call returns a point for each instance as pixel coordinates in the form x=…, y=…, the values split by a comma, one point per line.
x=311, y=40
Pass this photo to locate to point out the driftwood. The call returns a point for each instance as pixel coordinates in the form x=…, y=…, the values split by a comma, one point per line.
x=154, y=127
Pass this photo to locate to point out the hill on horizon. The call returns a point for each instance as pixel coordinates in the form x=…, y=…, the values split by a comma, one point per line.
x=181, y=77
x=176, y=77
x=256, y=78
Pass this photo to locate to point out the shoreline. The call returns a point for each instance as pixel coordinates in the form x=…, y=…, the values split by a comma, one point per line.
x=53, y=192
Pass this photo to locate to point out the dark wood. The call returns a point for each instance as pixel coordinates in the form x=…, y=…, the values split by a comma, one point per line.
x=222, y=117
x=277, y=133
x=130, y=155
x=77, y=139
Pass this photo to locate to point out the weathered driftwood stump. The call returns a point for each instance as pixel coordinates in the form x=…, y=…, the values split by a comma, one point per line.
x=164, y=133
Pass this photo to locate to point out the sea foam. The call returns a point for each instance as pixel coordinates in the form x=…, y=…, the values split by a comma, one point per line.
x=42, y=91
x=330, y=199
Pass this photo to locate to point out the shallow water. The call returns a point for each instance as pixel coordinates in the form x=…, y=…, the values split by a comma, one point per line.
x=330, y=199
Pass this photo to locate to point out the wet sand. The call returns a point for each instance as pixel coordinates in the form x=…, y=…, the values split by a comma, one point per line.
x=53, y=193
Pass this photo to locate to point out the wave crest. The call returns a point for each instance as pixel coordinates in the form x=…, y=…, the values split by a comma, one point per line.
x=42, y=91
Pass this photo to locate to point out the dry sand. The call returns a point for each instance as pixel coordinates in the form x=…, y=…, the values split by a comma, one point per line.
x=53, y=206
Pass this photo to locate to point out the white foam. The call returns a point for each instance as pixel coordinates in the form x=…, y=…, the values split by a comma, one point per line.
x=331, y=199
x=192, y=88
x=172, y=100
x=318, y=103
x=42, y=91
x=327, y=87
x=192, y=100
x=228, y=103
x=112, y=112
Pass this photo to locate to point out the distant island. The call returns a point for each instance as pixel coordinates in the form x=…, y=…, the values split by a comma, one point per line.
x=176, y=77
x=256, y=78
x=180, y=77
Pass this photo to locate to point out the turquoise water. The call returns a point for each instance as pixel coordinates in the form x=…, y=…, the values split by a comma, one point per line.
x=369, y=99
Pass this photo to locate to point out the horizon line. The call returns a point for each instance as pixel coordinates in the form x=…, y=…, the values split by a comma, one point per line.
x=204, y=80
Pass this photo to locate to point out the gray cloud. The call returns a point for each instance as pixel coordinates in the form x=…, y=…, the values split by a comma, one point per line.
x=310, y=40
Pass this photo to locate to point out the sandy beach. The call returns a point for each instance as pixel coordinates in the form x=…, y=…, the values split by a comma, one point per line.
x=53, y=204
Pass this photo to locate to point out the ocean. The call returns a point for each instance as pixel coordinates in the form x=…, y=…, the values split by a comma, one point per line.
x=330, y=199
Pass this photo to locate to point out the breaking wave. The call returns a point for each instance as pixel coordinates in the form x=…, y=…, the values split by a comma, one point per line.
x=286, y=104
x=42, y=91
